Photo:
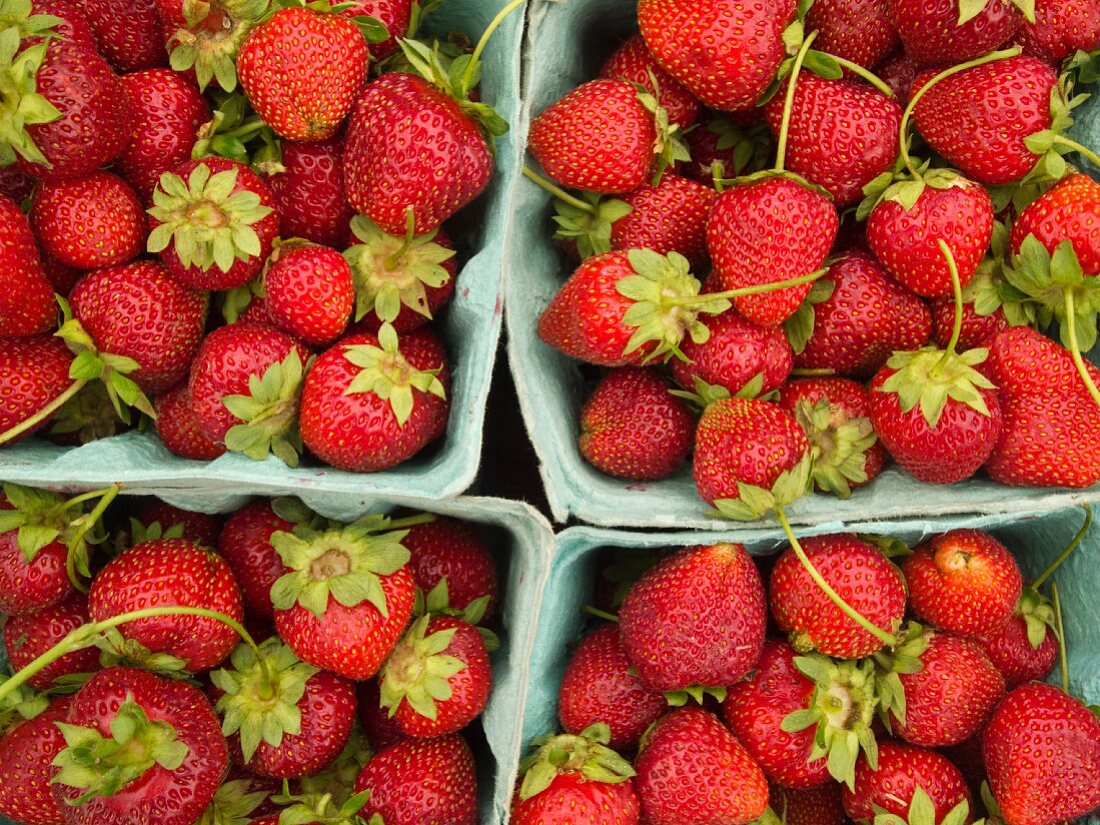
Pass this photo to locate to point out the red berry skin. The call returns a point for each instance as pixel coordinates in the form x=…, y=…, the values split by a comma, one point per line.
x=859, y=573
x=420, y=782
x=901, y=770
x=735, y=353
x=309, y=192
x=128, y=33
x=168, y=110
x=1061, y=28
x=755, y=709
x=572, y=798
x=965, y=582
x=813, y=806
x=28, y=635
x=696, y=618
x=393, y=14
x=138, y=310
x=310, y=293
x=898, y=71
x=245, y=542
x=169, y=572
x=26, y=304
x=693, y=771
x=668, y=217
x=951, y=697
x=598, y=687
x=27, y=752
x=89, y=222
x=26, y=586
x=453, y=549
x=1070, y=210
x=857, y=30
x=178, y=428
x=1042, y=753
x=200, y=528
x=380, y=729
x=633, y=427
x=1012, y=654
x=73, y=26
x=930, y=30
x=598, y=138
x=977, y=330
x=33, y=372
x=359, y=432
x=633, y=63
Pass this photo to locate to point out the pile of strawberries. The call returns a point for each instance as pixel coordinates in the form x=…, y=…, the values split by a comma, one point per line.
x=239, y=206
x=813, y=239
x=693, y=706
x=140, y=696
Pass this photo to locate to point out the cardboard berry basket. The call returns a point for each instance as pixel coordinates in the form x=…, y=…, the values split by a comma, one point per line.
x=1035, y=540
x=470, y=327
x=523, y=544
x=566, y=43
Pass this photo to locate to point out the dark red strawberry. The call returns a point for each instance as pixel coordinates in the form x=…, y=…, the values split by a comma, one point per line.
x=934, y=31
x=27, y=752
x=309, y=192
x=29, y=635
x=26, y=304
x=741, y=148
x=245, y=542
x=898, y=71
x=178, y=428
x=345, y=422
x=309, y=292
x=902, y=774
x=128, y=33
x=380, y=730
x=696, y=619
x=814, y=806
x=633, y=63
x=1013, y=654
x=633, y=427
x=15, y=184
x=393, y=14
x=89, y=222
x=447, y=548
x=668, y=217
x=62, y=277
x=735, y=353
x=857, y=30
x=977, y=330
x=1061, y=28
x=201, y=528
x=34, y=373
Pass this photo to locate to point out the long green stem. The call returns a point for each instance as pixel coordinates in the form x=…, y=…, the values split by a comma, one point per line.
x=1063, y=657
x=1075, y=349
x=600, y=614
x=1054, y=565
x=880, y=634
x=756, y=289
x=494, y=24
x=788, y=103
x=411, y=521
x=1079, y=148
x=813, y=372
x=956, y=288
x=90, y=521
x=44, y=413
x=866, y=74
x=557, y=191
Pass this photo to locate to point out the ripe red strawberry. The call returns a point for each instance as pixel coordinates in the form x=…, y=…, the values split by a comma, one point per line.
x=696, y=619
x=977, y=330
x=1061, y=28
x=689, y=756
x=735, y=353
x=319, y=611
x=29, y=635
x=964, y=582
x=633, y=427
x=979, y=118
x=157, y=739
x=168, y=110
x=726, y=53
x=866, y=319
x=766, y=229
x=453, y=550
x=393, y=14
x=931, y=31
x=668, y=217
x=309, y=192
x=73, y=22
x=1042, y=752
x=207, y=38
x=902, y=774
x=244, y=387
x=1069, y=211
x=62, y=277
x=245, y=542
x=105, y=213
x=302, y=69
x=178, y=428
x=1025, y=648
x=309, y=292
x=128, y=33
x=35, y=583
x=599, y=687
x=415, y=776
x=1051, y=430
x=860, y=574
x=346, y=423
x=33, y=373
x=813, y=806
x=27, y=752
x=633, y=63
x=856, y=30
x=437, y=679
x=26, y=304
x=749, y=443
x=847, y=150
x=171, y=572
x=201, y=528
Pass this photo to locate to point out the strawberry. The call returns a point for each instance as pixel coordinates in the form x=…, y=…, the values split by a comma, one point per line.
x=34, y=372
x=857, y=30
x=942, y=31
x=29, y=635
x=301, y=70
x=370, y=403
x=375, y=721
x=171, y=572
x=632, y=62
x=859, y=573
x=453, y=551
x=244, y=385
x=1060, y=28
x=977, y=330
x=27, y=752
x=726, y=53
x=1068, y=211
x=200, y=528
x=1012, y=652
x=104, y=211
x=750, y=456
x=138, y=747
x=906, y=780
x=309, y=192
x=1042, y=752
x=393, y=14
x=814, y=806
x=867, y=317
x=964, y=582
x=668, y=217
x=245, y=543
x=695, y=620
x=741, y=149
x=168, y=110
x=213, y=221
x=129, y=34
x=437, y=679
x=633, y=427
x=26, y=305
x=207, y=38
x=15, y=184
x=417, y=776
x=1051, y=430
x=309, y=292
x=319, y=610
x=599, y=686
x=32, y=581
x=689, y=756
x=898, y=71
x=72, y=26
x=178, y=428
x=284, y=720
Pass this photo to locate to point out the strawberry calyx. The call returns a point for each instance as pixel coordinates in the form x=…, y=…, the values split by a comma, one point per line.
x=842, y=708
x=437, y=602
x=902, y=657
x=390, y=271
x=20, y=103
x=969, y=9
x=233, y=804
x=585, y=753
x=1051, y=144
x=384, y=371
x=751, y=145
x=238, y=299
x=119, y=650
x=211, y=37
x=930, y=377
x=88, y=415
x=706, y=394
x=753, y=501
x=207, y=223
x=838, y=445
x=268, y=413
x=586, y=221
x=905, y=188
x=1038, y=614
x=669, y=146
x=697, y=693
x=236, y=132
x=922, y=811
x=372, y=29
x=322, y=809
x=418, y=670
x=338, y=779
x=799, y=328
x=22, y=703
